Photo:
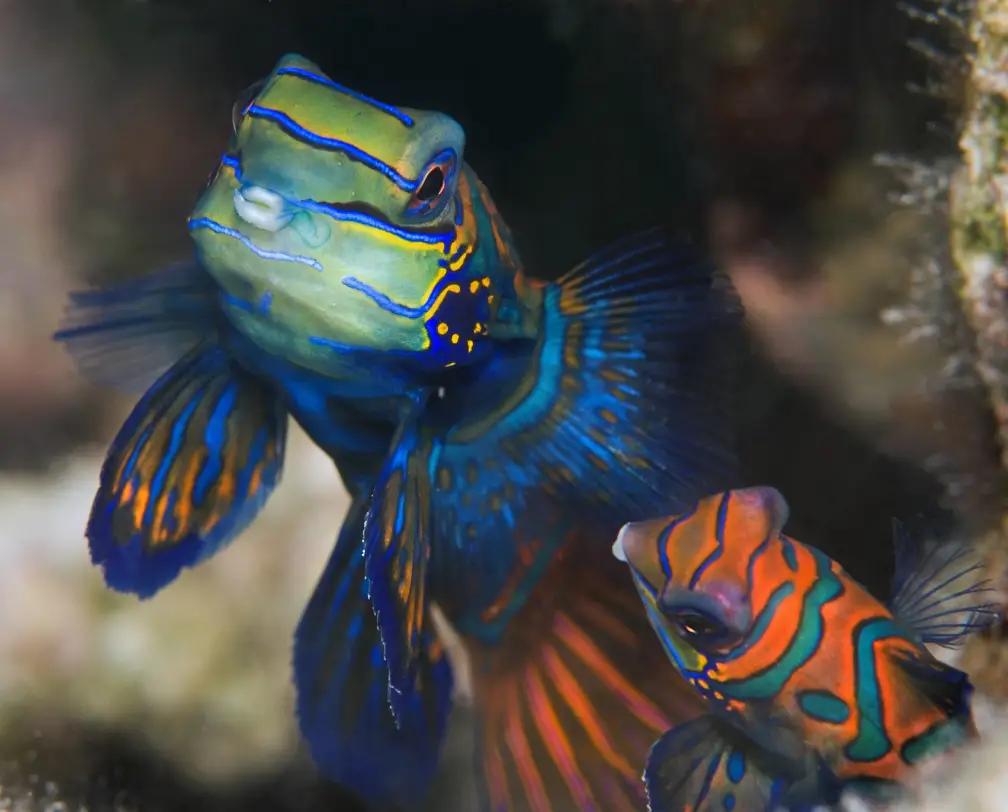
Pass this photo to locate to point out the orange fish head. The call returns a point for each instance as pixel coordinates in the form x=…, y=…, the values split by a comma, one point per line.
x=698, y=565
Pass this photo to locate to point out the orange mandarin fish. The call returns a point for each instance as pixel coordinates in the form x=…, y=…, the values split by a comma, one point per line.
x=811, y=685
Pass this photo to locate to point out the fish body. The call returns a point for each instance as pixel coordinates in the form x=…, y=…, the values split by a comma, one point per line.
x=352, y=272
x=811, y=685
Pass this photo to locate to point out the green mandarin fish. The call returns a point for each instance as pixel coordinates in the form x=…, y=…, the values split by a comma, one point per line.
x=811, y=685
x=352, y=272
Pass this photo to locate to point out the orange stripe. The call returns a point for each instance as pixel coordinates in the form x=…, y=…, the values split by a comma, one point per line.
x=583, y=710
x=556, y=741
x=581, y=645
x=519, y=747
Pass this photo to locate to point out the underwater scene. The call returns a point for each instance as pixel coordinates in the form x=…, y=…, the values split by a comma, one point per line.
x=504, y=405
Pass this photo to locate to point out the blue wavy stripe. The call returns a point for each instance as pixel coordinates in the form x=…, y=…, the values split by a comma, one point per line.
x=316, y=140
x=350, y=216
x=392, y=306
x=325, y=81
x=213, y=225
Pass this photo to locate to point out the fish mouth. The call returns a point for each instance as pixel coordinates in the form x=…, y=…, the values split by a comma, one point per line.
x=262, y=208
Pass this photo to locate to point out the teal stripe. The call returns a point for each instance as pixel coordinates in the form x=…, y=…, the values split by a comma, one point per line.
x=769, y=682
x=871, y=742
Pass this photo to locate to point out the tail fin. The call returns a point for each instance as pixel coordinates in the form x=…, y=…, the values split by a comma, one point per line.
x=342, y=687
x=573, y=698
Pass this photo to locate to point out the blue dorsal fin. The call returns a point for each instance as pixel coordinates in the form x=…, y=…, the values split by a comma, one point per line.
x=939, y=590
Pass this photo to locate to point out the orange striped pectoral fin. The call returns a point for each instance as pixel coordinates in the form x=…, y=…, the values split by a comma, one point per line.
x=572, y=701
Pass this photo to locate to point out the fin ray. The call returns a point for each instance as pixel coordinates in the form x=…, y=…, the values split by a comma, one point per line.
x=633, y=376
x=570, y=701
x=126, y=334
x=939, y=592
x=342, y=684
x=192, y=465
x=397, y=543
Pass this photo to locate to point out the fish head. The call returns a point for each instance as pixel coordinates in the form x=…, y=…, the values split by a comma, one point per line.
x=694, y=573
x=346, y=218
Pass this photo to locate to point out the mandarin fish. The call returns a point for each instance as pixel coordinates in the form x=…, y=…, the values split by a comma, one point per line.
x=352, y=273
x=811, y=686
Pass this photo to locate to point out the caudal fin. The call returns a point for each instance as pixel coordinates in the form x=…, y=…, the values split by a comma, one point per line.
x=573, y=697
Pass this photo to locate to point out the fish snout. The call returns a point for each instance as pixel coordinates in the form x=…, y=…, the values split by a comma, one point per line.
x=631, y=543
x=262, y=208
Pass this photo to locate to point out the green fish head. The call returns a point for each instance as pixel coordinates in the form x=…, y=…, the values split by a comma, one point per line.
x=337, y=222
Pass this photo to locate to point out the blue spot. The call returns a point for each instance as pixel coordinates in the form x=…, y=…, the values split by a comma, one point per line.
x=824, y=706
x=736, y=766
x=729, y=802
x=327, y=82
x=217, y=228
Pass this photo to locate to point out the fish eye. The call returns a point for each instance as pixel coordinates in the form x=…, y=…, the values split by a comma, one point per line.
x=700, y=628
x=432, y=185
x=432, y=191
x=243, y=102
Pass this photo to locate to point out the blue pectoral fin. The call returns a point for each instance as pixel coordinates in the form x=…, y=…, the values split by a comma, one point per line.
x=190, y=468
x=397, y=540
x=126, y=334
x=940, y=593
x=342, y=686
x=633, y=382
x=704, y=766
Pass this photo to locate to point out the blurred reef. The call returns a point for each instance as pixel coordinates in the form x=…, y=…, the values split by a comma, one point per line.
x=845, y=160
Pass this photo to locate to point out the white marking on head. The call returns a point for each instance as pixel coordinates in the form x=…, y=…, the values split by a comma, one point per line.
x=262, y=208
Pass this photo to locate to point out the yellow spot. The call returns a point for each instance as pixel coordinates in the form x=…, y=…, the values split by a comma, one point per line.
x=450, y=364
x=486, y=281
x=442, y=328
x=469, y=345
x=703, y=684
x=473, y=286
x=490, y=299
x=718, y=695
x=478, y=328
x=455, y=338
